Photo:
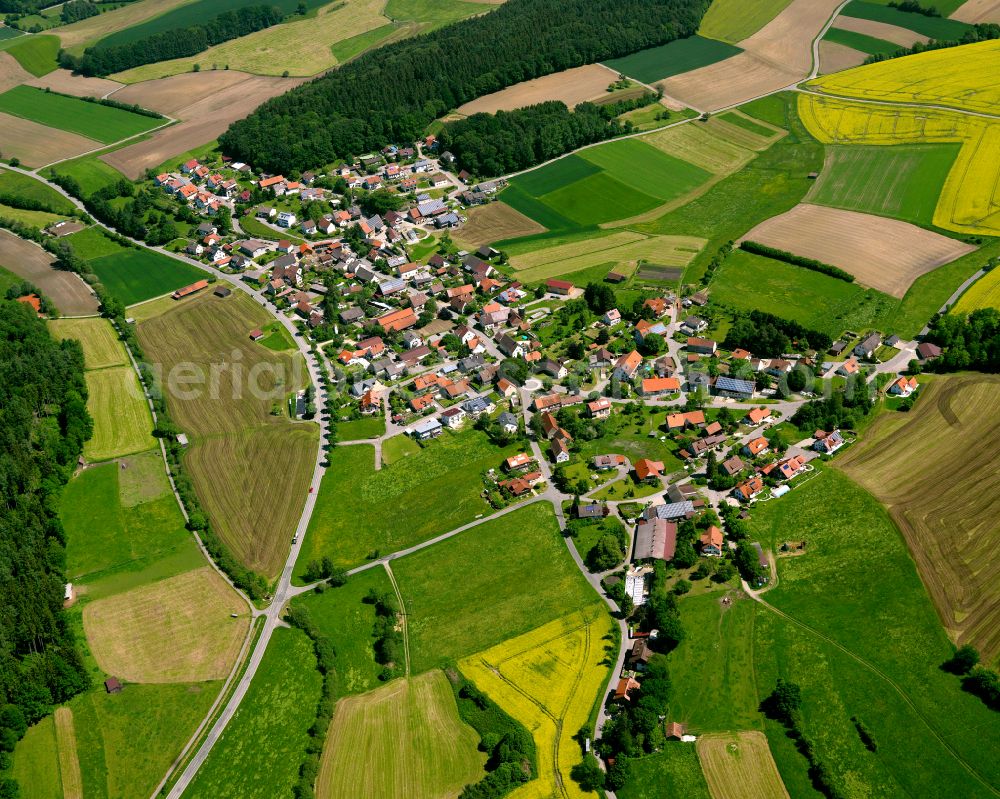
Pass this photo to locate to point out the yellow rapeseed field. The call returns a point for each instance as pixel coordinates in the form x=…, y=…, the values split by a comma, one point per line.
x=970, y=198
x=984, y=293
x=549, y=680
x=957, y=77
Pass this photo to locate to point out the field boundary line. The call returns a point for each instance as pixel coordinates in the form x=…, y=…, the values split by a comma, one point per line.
x=877, y=671
x=402, y=613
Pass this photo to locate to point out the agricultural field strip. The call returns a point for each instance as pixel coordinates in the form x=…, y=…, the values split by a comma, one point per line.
x=756, y=596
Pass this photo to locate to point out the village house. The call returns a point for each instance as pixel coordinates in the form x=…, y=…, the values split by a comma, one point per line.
x=606, y=462
x=655, y=539
x=756, y=446
x=518, y=462
x=903, y=386
x=848, y=368
x=599, y=408
x=559, y=450
x=611, y=317
x=926, y=351
x=646, y=469
x=628, y=365
x=508, y=423
x=867, y=347
x=561, y=287
x=827, y=443
x=682, y=421
x=427, y=428
x=655, y=386
x=693, y=325
x=732, y=466
x=701, y=346
x=757, y=415
x=749, y=488
x=724, y=386
x=711, y=542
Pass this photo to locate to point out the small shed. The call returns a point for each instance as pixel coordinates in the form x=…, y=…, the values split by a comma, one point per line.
x=675, y=730
x=256, y=334
x=112, y=686
x=222, y=291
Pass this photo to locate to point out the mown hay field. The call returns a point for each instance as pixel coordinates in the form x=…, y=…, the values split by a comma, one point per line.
x=960, y=77
x=571, y=86
x=69, y=763
x=884, y=254
x=414, y=742
x=902, y=181
x=699, y=145
x=122, y=422
x=739, y=765
x=236, y=440
x=969, y=197
x=95, y=121
x=101, y=346
x=174, y=630
x=934, y=470
x=675, y=251
x=984, y=293
x=495, y=222
x=735, y=20
x=549, y=680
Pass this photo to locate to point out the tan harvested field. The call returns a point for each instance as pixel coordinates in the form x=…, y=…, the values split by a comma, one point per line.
x=300, y=46
x=62, y=80
x=572, y=86
x=978, y=11
x=778, y=55
x=739, y=765
x=574, y=249
x=935, y=470
x=170, y=95
x=89, y=30
x=38, y=145
x=742, y=136
x=203, y=121
x=415, y=742
x=884, y=254
x=494, y=222
x=174, y=630
x=251, y=468
x=26, y=259
x=11, y=73
x=101, y=346
x=69, y=762
x=698, y=145
x=835, y=57
x=881, y=30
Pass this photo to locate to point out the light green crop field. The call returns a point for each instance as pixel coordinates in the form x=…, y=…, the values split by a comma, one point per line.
x=735, y=20
x=90, y=172
x=28, y=188
x=673, y=771
x=369, y=427
x=37, y=54
x=888, y=669
x=861, y=42
x=436, y=489
x=100, y=122
x=518, y=562
x=91, y=243
x=259, y=754
x=902, y=181
x=750, y=282
x=36, y=763
x=122, y=422
x=414, y=743
x=101, y=346
x=138, y=275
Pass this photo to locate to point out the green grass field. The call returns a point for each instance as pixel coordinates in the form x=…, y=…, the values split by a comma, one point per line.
x=37, y=54
x=858, y=587
x=861, y=42
x=413, y=740
x=90, y=172
x=114, y=530
x=946, y=7
x=902, y=181
x=195, y=13
x=490, y=583
x=735, y=20
x=437, y=489
x=747, y=124
x=101, y=345
x=431, y=13
x=100, y=122
x=122, y=422
x=254, y=227
x=259, y=753
x=934, y=27
x=673, y=58
x=718, y=641
x=340, y=614
x=770, y=184
x=30, y=189
x=277, y=338
x=368, y=427
x=91, y=243
x=38, y=219
x=673, y=771
x=752, y=282
x=614, y=181
x=347, y=49
x=36, y=762
x=137, y=275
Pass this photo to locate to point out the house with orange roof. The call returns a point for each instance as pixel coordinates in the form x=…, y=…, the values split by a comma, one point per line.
x=756, y=446
x=625, y=687
x=681, y=421
x=628, y=365
x=848, y=368
x=418, y=404
x=600, y=408
x=749, y=488
x=519, y=461
x=903, y=386
x=646, y=469
x=34, y=301
x=711, y=542
x=653, y=386
x=757, y=415
x=657, y=304
x=397, y=320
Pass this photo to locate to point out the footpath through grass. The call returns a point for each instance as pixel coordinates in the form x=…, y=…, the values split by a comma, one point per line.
x=100, y=122
x=858, y=586
x=360, y=511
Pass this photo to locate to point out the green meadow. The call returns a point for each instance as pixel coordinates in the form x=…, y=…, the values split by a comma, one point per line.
x=28, y=188
x=860, y=41
x=134, y=275
x=37, y=54
x=673, y=58
x=933, y=27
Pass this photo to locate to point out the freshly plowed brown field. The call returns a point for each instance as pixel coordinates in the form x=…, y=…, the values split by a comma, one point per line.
x=175, y=630
x=778, y=55
x=62, y=80
x=202, y=121
x=170, y=95
x=24, y=258
x=978, y=11
x=11, y=73
x=38, y=145
x=738, y=765
x=572, y=86
x=884, y=254
x=881, y=30
x=935, y=469
x=835, y=57
x=495, y=222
